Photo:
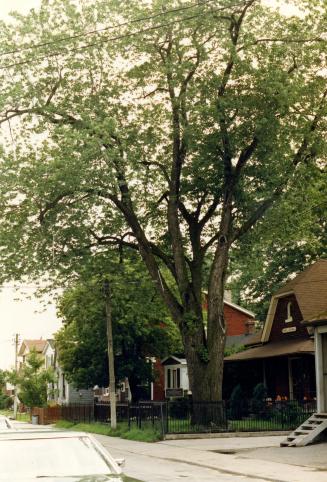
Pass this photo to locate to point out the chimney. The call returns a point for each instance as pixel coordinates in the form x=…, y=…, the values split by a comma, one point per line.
x=250, y=327
x=228, y=296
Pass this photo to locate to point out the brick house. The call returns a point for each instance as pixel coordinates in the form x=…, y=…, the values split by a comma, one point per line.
x=171, y=372
x=283, y=357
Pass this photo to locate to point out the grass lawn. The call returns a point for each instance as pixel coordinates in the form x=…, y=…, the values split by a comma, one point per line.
x=148, y=434
x=21, y=417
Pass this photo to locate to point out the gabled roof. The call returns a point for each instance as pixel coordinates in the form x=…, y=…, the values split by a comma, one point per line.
x=49, y=343
x=239, y=308
x=38, y=345
x=235, y=306
x=173, y=360
x=310, y=290
x=241, y=340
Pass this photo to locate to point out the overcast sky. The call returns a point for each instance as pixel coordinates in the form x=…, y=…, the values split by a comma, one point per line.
x=29, y=317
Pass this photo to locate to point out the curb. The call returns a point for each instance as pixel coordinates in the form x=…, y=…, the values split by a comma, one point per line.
x=186, y=436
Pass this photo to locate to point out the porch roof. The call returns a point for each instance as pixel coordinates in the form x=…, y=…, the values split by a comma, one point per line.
x=273, y=349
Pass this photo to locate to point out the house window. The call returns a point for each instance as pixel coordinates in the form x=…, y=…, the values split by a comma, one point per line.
x=168, y=378
x=289, y=315
x=177, y=378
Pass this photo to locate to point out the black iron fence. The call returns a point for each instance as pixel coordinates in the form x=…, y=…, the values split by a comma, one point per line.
x=243, y=416
x=185, y=416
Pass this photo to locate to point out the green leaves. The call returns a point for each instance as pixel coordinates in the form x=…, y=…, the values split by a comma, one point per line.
x=32, y=380
x=141, y=327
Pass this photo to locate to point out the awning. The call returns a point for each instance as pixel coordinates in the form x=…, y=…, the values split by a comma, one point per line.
x=273, y=349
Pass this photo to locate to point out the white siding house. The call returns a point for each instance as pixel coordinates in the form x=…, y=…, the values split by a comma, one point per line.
x=176, y=377
x=64, y=392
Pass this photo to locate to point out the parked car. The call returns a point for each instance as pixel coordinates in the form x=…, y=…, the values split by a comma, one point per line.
x=56, y=456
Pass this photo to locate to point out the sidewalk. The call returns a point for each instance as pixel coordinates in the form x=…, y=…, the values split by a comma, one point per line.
x=238, y=457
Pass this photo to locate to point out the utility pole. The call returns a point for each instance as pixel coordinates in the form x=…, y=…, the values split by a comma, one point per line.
x=111, y=358
x=16, y=341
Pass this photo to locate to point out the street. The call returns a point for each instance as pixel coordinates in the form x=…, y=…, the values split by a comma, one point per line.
x=223, y=459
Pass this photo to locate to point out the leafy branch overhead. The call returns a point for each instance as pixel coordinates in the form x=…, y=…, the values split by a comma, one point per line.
x=171, y=131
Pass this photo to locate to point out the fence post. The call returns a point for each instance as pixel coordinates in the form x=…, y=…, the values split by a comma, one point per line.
x=128, y=415
x=162, y=420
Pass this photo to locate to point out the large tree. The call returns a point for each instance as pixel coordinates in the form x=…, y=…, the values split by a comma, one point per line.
x=170, y=128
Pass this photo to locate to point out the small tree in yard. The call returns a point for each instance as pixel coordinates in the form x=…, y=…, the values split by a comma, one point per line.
x=5, y=401
x=32, y=381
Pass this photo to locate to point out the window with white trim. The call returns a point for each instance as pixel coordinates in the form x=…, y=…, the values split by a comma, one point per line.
x=289, y=314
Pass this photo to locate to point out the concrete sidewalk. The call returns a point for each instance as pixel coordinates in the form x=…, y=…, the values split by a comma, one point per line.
x=235, y=458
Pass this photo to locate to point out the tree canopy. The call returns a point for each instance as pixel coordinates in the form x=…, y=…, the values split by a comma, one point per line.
x=166, y=127
x=141, y=326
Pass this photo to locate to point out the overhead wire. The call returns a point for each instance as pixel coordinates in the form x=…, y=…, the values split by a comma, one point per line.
x=111, y=39
x=99, y=30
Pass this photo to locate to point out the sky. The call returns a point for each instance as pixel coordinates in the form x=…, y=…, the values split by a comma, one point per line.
x=28, y=316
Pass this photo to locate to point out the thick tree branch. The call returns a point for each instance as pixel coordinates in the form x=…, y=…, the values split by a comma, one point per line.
x=244, y=156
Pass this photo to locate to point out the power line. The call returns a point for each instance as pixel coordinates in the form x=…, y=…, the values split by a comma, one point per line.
x=112, y=27
x=112, y=39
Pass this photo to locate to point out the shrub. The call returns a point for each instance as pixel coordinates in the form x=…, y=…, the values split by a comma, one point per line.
x=5, y=401
x=258, y=401
x=179, y=408
x=288, y=413
x=237, y=405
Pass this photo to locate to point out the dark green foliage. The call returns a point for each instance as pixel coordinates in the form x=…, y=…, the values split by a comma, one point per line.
x=237, y=403
x=258, y=401
x=5, y=401
x=288, y=414
x=141, y=328
x=180, y=408
x=266, y=257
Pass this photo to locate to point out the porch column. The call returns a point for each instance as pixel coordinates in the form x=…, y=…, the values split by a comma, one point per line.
x=290, y=378
x=264, y=377
x=319, y=371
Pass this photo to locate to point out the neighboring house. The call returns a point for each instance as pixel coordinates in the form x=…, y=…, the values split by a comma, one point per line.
x=175, y=376
x=27, y=346
x=283, y=358
x=63, y=392
x=171, y=373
